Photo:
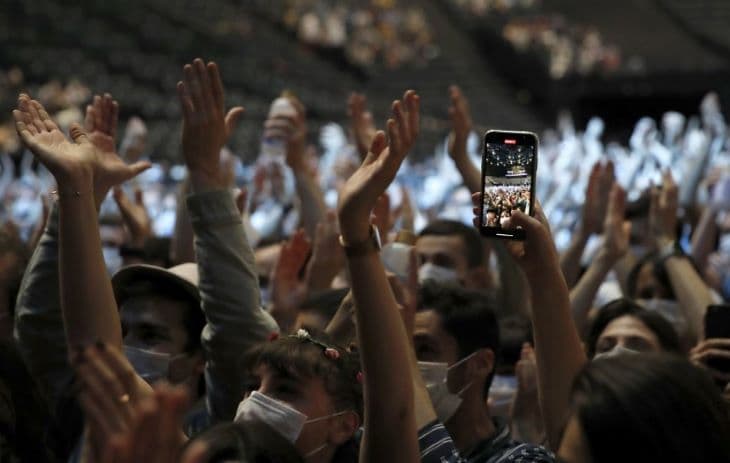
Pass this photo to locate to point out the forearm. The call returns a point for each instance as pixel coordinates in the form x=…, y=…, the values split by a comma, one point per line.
x=384, y=353
x=39, y=330
x=570, y=259
x=341, y=328
x=87, y=300
x=230, y=297
x=584, y=292
x=311, y=201
x=558, y=348
x=183, y=249
x=692, y=294
x=469, y=172
x=703, y=240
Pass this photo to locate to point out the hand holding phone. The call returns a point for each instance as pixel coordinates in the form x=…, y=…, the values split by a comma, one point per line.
x=509, y=164
x=714, y=351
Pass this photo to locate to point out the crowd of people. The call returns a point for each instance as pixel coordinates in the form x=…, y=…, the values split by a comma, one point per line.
x=373, y=32
x=501, y=200
x=567, y=47
x=328, y=308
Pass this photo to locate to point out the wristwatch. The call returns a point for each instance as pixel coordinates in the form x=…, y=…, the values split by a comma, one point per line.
x=362, y=248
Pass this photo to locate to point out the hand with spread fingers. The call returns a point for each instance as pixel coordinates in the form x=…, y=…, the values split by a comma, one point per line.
x=206, y=124
x=360, y=193
x=88, y=162
x=663, y=212
x=710, y=351
x=109, y=392
x=154, y=434
x=361, y=123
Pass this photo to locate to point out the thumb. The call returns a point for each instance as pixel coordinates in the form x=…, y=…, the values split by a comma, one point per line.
x=231, y=120
x=78, y=134
x=139, y=167
x=376, y=147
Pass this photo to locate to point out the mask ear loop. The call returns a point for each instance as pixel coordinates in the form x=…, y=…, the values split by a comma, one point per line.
x=468, y=385
x=322, y=418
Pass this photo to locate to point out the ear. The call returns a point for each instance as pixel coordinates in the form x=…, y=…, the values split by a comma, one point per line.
x=344, y=428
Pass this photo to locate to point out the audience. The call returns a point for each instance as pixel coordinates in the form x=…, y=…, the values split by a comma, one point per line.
x=298, y=310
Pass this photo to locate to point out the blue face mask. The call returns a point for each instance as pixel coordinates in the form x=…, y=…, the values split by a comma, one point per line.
x=152, y=366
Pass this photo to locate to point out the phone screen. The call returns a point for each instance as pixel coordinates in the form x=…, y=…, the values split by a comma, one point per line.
x=508, y=171
x=717, y=325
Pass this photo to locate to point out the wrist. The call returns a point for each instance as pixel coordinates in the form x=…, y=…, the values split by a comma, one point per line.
x=354, y=231
x=201, y=180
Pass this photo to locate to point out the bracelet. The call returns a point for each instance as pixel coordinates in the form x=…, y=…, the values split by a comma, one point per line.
x=55, y=194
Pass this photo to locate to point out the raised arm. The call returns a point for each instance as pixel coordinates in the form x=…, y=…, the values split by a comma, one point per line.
x=591, y=221
x=85, y=169
x=461, y=126
x=691, y=291
x=390, y=426
x=559, y=352
x=617, y=233
x=293, y=129
x=228, y=282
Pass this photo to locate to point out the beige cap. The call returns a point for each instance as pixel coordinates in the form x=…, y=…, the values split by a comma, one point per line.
x=184, y=275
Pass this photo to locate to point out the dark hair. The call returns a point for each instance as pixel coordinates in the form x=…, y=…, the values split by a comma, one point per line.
x=304, y=358
x=472, y=241
x=467, y=315
x=660, y=326
x=24, y=415
x=658, y=270
x=253, y=442
x=651, y=407
x=193, y=317
x=157, y=249
x=324, y=303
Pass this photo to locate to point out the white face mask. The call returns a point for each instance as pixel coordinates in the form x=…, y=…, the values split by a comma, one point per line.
x=616, y=351
x=437, y=273
x=288, y=421
x=435, y=375
x=152, y=366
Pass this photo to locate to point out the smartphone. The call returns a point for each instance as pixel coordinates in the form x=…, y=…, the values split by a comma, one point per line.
x=509, y=164
x=717, y=325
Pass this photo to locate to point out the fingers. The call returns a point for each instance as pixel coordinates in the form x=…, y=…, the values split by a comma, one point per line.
x=121, y=199
x=206, y=93
x=186, y=102
x=193, y=89
x=616, y=205
x=232, y=118
x=413, y=106
x=137, y=168
x=77, y=133
x=216, y=85
x=394, y=138
x=377, y=146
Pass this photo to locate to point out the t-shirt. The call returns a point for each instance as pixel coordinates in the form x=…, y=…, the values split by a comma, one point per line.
x=437, y=446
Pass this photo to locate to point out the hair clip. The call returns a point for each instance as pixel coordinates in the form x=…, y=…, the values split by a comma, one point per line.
x=273, y=336
x=332, y=353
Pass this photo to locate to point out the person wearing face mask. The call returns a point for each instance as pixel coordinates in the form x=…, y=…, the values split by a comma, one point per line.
x=451, y=252
x=309, y=391
x=456, y=341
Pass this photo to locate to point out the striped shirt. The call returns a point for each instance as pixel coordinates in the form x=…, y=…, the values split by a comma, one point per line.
x=437, y=446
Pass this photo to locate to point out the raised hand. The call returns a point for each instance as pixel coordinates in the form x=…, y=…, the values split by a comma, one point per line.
x=287, y=288
x=135, y=215
x=600, y=182
x=109, y=392
x=461, y=124
x=327, y=255
x=85, y=164
x=101, y=122
x=206, y=125
x=293, y=129
x=617, y=231
x=361, y=123
x=155, y=434
x=663, y=212
x=362, y=189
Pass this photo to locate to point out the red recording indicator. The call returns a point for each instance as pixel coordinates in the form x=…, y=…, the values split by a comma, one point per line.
x=510, y=141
